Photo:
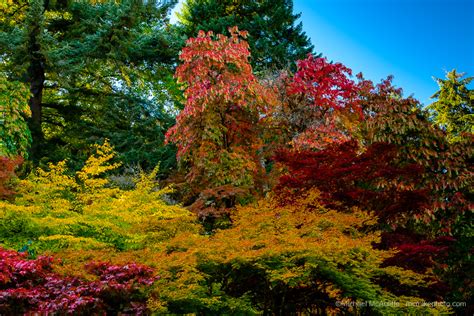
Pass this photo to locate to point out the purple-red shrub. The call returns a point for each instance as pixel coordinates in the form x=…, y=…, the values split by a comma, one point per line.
x=32, y=286
x=414, y=251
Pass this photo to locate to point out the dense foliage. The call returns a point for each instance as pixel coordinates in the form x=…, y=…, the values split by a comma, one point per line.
x=281, y=260
x=319, y=104
x=296, y=257
x=55, y=210
x=217, y=132
x=283, y=191
x=15, y=137
x=275, y=38
x=454, y=108
x=404, y=169
x=7, y=174
x=32, y=286
x=95, y=70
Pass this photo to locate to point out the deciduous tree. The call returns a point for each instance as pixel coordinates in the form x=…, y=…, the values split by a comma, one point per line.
x=403, y=168
x=319, y=105
x=31, y=286
x=290, y=259
x=217, y=133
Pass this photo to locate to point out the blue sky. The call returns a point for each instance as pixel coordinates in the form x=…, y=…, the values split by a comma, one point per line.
x=413, y=40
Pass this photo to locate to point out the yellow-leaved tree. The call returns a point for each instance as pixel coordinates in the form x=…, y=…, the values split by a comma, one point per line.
x=59, y=211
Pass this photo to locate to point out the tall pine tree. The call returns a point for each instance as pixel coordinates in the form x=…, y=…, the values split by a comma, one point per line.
x=454, y=108
x=276, y=39
x=95, y=68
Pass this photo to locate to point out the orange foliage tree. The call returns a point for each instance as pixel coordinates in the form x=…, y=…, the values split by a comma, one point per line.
x=278, y=259
x=217, y=133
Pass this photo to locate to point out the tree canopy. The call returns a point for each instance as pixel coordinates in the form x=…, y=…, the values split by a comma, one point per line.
x=454, y=108
x=95, y=69
x=15, y=137
x=275, y=36
x=241, y=175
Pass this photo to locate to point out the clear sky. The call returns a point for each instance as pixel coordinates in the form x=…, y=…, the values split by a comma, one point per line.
x=413, y=40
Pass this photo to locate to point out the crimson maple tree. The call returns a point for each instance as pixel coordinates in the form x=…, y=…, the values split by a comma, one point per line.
x=319, y=103
x=348, y=178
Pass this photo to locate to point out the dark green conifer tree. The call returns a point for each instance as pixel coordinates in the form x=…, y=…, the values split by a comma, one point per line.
x=454, y=108
x=96, y=69
x=276, y=38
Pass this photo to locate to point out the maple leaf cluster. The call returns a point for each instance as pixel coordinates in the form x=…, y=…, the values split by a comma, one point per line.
x=31, y=286
x=319, y=104
x=371, y=180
